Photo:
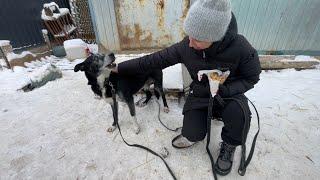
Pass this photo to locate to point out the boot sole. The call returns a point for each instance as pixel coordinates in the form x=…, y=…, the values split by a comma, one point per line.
x=221, y=172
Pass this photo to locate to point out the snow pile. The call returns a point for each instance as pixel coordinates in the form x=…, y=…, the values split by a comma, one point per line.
x=172, y=76
x=305, y=58
x=75, y=49
x=300, y=58
x=52, y=5
x=2, y=63
x=41, y=76
x=4, y=43
x=12, y=55
x=125, y=57
x=44, y=31
x=55, y=10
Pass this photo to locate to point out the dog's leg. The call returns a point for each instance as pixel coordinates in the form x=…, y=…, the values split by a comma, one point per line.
x=133, y=114
x=146, y=89
x=115, y=116
x=149, y=95
x=164, y=100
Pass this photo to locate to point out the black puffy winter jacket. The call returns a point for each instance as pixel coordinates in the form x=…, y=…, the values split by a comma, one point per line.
x=232, y=53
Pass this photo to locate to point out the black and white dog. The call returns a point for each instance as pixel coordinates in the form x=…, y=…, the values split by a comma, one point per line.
x=97, y=68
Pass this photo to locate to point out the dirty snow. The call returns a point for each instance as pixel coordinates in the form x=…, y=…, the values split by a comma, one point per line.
x=13, y=55
x=58, y=131
x=300, y=58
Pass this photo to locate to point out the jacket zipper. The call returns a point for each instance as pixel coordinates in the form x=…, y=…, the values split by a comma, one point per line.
x=204, y=55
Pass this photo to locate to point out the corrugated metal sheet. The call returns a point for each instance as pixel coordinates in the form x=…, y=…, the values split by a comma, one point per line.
x=289, y=26
x=146, y=24
x=138, y=24
x=103, y=14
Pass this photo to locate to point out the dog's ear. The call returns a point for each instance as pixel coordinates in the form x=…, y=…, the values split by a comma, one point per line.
x=79, y=67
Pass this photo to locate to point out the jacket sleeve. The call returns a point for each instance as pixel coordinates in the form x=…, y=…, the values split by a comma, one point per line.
x=158, y=60
x=249, y=70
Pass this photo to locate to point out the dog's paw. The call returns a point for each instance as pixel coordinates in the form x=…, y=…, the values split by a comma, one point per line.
x=136, y=129
x=164, y=152
x=166, y=109
x=111, y=129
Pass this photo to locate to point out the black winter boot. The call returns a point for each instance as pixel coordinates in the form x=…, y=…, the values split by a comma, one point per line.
x=224, y=162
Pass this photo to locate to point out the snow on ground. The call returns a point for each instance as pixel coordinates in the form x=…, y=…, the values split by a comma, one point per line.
x=58, y=131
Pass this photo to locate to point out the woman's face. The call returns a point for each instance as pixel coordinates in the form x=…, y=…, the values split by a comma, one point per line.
x=198, y=45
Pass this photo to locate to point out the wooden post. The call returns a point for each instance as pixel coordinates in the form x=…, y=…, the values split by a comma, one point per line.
x=46, y=38
x=5, y=49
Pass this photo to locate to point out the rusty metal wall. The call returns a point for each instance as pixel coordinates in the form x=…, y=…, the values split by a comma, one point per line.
x=144, y=24
x=284, y=26
x=138, y=24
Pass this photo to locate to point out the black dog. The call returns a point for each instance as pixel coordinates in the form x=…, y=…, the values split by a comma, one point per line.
x=97, y=69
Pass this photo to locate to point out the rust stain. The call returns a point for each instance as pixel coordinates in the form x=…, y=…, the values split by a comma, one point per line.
x=186, y=6
x=160, y=4
x=160, y=12
x=134, y=37
x=142, y=2
x=164, y=41
x=131, y=36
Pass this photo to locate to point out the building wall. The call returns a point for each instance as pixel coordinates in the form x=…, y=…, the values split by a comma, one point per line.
x=272, y=26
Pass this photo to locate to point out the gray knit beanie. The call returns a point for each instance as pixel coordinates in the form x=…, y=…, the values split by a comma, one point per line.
x=208, y=20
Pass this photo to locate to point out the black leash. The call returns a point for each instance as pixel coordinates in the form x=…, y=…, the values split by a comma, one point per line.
x=210, y=116
x=115, y=115
x=245, y=162
x=159, y=109
x=174, y=130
